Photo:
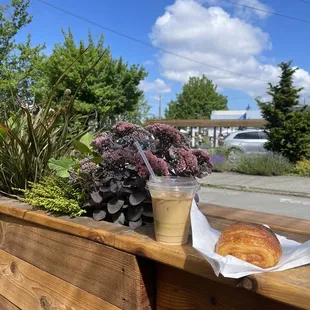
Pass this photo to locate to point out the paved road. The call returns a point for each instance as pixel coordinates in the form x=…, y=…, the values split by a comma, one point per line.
x=281, y=184
x=275, y=204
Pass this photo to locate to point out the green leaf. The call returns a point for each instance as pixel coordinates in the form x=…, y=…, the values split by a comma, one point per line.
x=97, y=160
x=61, y=166
x=87, y=139
x=3, y=132
x=81, y=147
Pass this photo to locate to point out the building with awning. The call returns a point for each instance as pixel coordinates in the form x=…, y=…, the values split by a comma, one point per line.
x=221, y=122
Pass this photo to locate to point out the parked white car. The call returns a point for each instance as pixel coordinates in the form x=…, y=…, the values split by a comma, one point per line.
x=245, y=142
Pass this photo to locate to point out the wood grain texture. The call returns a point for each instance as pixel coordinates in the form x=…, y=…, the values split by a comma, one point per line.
x=13, y=207
x=277, y=222
x=142, y=243
x=30, y=288
x=179, y=290
x=290, y=286
x=107, y=273
x=7, y=305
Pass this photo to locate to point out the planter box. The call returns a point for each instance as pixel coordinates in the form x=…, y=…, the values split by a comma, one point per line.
x=61, y=263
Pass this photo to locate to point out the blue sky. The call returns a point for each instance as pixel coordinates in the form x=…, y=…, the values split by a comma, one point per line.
x=213, y=32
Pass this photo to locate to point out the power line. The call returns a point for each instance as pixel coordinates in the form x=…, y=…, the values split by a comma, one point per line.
x=270, y=12
x=148, y=44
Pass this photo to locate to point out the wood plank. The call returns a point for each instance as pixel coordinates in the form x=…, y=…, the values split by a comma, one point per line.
x=107, y=273
x=278, y=222
x=7, y=305
x=290, y=286
x=178, y=290
x=30, y=288
x=13, y=207
x=142, y=243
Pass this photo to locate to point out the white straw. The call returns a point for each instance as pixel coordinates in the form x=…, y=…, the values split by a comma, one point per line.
x=147, y=163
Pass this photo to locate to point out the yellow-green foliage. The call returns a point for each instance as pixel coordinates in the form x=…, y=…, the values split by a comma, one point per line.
x=302, y=168
x=55, y=195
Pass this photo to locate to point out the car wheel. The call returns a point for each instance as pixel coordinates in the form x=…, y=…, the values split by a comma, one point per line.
x=234, y=155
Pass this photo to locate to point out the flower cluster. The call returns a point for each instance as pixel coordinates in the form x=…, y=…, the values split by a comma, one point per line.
x=159, y=166
x=167, y=136
x=125, y=129
x=116, y=186
x=87, y=165
x=103, y=142
x=116, y=159
x=184, y=162
x=204, y=163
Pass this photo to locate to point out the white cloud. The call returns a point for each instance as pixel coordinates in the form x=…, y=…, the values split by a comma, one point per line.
x=242, y=8
x=148, y=63
x=211, y=36
x=157, y=86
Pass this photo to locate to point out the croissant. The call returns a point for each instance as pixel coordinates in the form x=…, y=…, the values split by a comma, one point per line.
x=253, y=243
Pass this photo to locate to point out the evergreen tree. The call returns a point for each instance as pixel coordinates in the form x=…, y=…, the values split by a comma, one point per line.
x=288, y=128
x=199, y=97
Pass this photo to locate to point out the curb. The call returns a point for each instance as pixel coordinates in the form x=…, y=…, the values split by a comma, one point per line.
x=256, y=190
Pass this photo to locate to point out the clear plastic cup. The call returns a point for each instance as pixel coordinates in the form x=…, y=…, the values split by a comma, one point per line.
x=172, y=200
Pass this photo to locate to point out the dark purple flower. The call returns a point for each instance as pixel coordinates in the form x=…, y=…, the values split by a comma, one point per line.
x=159, y=166
x=123, y=129
x=118, y=158
x=103, y=142
x=167, y=136
x=184, y=161
x=87, y=166
x=204, y=162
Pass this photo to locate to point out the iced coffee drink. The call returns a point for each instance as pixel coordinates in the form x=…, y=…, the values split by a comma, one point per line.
x=172, y=199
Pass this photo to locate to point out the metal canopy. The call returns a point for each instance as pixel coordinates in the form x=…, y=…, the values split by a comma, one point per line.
x=211, y=122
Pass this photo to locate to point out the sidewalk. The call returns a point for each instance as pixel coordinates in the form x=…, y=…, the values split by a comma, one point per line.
x=282, y=185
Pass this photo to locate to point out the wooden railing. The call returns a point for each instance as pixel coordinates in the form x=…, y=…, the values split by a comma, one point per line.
x=62, y=263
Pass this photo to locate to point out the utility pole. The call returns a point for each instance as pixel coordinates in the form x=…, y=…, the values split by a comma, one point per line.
x=159, y=98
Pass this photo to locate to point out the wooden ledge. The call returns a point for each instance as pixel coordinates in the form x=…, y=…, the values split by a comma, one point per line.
x=291, y=286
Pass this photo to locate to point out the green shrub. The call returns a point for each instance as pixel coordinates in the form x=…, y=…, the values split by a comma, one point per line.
x=220, y=164
x=302, y=168
x=218, y=151
x=264, y=164
x=29, y=140
x=55, y=195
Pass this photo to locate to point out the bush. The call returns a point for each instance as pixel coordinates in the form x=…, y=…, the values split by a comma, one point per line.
x=220, y=164
x=264, y=164
x=29, y=139
x=114, y=176
x=55, y=195
x=302, y=168
x=218, y=151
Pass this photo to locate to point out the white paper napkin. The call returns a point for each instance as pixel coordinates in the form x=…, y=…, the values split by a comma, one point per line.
x=205, y=238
